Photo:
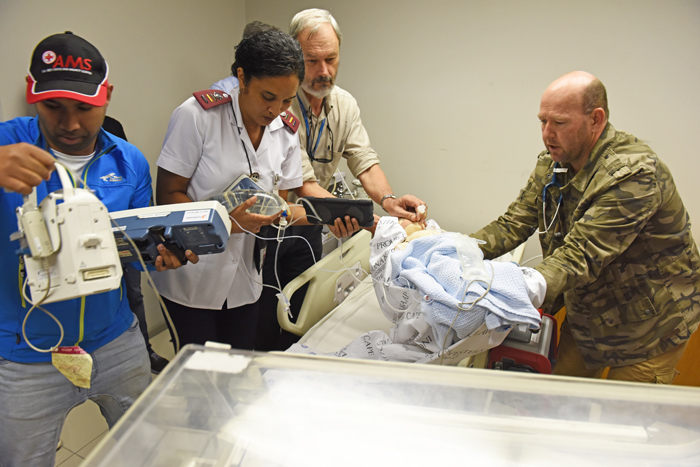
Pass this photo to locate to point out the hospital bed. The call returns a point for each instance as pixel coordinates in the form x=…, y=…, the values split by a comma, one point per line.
x=340, y=302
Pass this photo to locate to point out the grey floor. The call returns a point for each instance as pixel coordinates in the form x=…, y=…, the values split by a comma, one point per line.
x=85, y=426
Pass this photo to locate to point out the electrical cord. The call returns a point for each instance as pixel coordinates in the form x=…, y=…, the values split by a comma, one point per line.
x=152, y=284
x=45, y=264
x=278, y=238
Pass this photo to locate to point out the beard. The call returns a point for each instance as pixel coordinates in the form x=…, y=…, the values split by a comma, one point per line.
x=329, y=81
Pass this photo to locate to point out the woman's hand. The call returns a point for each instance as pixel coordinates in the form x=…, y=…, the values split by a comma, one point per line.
x=244, y=221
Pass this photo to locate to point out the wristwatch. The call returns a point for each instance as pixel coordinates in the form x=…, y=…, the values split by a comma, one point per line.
x=381, y=203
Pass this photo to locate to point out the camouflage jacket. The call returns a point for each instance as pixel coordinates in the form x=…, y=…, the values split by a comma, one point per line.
x=620, y=254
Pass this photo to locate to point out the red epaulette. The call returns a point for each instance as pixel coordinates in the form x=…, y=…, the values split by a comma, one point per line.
x=211, y=98
x=290, y=120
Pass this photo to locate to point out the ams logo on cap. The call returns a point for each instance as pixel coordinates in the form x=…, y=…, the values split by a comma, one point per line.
x=58, y=61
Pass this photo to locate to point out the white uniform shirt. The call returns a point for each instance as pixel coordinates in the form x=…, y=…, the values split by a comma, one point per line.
x=205, y=146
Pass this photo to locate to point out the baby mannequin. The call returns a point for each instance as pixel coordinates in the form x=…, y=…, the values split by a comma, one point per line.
x=414, y=230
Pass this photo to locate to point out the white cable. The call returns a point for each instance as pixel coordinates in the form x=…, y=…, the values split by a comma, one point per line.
x=45, y=263
x=153, y=286
x=315, y=261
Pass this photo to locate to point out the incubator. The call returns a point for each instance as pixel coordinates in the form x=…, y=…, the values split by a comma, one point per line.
x=215, y=407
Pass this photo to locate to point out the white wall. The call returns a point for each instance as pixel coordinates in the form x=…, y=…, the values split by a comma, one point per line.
x=159, y=52
x=450, y=89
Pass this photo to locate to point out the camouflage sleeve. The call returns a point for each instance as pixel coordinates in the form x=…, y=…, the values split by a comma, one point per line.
x=605, y=230
x=514, y=227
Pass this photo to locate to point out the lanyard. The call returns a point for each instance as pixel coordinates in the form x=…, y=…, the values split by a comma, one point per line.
x=309, y=141
x=253, y=175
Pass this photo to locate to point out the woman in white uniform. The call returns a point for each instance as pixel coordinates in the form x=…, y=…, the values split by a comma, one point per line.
x=212, y=139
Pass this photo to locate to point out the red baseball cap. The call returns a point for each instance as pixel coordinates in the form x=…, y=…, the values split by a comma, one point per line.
x=67, y=66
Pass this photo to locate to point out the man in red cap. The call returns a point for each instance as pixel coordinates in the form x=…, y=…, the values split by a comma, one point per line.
x=67, y=81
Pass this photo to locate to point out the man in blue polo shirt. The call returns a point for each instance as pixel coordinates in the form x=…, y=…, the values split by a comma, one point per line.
x=68, y=83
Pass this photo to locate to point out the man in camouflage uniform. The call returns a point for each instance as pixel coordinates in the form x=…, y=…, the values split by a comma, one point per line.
x=616, y=240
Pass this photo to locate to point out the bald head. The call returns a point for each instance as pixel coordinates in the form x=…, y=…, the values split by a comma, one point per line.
x=583, y=87
x=573, y=114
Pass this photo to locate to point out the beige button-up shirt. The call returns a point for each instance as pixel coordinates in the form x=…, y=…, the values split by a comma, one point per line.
x=343, y=136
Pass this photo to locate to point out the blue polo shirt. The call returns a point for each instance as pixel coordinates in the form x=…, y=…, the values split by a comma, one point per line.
x=120, y=177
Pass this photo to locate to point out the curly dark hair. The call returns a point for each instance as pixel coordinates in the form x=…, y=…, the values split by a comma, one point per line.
x=269, y=53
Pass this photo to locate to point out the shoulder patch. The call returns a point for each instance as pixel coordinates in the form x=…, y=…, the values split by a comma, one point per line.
x=290, y=120
x=211, y=98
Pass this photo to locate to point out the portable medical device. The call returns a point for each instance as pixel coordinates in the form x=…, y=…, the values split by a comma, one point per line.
x=244, y=188
x=69, y=249
x=526, y=351
x=202, y=227
x=327, y=210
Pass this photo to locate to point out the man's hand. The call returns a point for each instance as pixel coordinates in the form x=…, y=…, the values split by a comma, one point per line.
x=247, y=222
x=24, y=166
x=344, y=227
x=167, y=260
x=406, y=207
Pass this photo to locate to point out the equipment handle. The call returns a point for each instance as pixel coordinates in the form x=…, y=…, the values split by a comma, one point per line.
x=68, y=191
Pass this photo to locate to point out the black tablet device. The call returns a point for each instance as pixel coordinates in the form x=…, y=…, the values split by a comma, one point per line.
x=329, y=209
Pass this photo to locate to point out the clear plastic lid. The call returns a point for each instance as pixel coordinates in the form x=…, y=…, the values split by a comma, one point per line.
x=232, y=408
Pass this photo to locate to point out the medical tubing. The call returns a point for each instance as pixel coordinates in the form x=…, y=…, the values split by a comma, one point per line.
x=306, y=204
x=45, y=263
x=290, y=237
x=531, y=259
x=277, y=250
x=153, y=286
x=268, y=239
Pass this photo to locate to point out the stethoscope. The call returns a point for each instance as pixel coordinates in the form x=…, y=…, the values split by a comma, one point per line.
x=309, y=137
x=553, y=183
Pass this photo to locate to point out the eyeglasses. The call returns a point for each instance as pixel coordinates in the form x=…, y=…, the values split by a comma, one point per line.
x=328, y=151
